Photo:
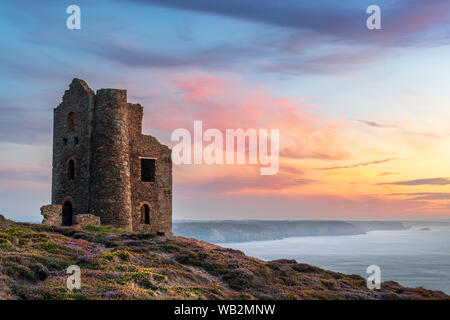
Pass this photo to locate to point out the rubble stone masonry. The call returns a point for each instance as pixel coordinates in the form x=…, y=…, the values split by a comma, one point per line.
x=86, y=219
x=52, y=215
x=103, y=164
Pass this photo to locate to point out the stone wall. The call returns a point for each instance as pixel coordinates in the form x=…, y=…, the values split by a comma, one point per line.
x=107, y=145
x=73, y=145
x=86, y=219
x=110, y=169
x=157, y=195
x=52, y=215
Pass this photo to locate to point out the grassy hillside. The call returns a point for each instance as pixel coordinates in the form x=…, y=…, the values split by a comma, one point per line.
x=119, y=265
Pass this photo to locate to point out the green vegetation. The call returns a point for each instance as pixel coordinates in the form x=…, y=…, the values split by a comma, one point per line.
x=119, y=265
x=122, y=254
x=102, y=231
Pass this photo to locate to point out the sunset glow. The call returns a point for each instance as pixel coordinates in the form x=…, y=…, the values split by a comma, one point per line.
x=363, y=115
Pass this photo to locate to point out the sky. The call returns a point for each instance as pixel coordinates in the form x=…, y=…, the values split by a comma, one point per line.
x=362, y=114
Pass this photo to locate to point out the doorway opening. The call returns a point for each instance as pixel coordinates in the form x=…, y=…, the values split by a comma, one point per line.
x=145, y=213
x=67, y=214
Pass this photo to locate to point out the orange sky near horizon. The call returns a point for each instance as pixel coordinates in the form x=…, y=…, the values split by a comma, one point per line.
x=349, y=159
x=363, y=114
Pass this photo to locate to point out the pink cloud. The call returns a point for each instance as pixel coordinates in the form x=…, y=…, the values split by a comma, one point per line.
x=24, y=177
x=239, y=180
x=265, y=206
x=232, y=103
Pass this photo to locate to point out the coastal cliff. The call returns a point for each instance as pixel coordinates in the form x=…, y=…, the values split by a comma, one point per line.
x=119, y=265
x=260, y=230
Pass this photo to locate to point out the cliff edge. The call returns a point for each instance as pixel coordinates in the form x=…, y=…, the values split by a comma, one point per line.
x=119, y=265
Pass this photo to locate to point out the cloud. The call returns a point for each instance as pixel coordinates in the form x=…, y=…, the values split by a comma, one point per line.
x=346, y=21
x=298, y=28
x=24, y=125
x=432, y=196
x=137, y=55
x=241, y=181
x=288, y=13
x=305, y=27
x=275, y=56
x=417, y=182
x=376, y=124
x=24, y=173
x=23, y=190
x=230, y=103
x=302, y=206
x=424, y=195
x=402, y=130
x=386, y=174
x=360, y=164
x=342, y=59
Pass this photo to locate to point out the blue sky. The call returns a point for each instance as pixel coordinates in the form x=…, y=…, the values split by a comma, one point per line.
x=317, y=57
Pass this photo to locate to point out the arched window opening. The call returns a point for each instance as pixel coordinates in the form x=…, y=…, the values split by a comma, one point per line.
x=71, y=121
x=145, y=214
x=67, y=214
x=71, y=170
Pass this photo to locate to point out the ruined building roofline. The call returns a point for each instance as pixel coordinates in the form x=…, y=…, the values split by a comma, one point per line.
x=155, y=140
x=82, y=83
x=110, y=90
x=79, y=84
x=104, y=167
x=135, y=105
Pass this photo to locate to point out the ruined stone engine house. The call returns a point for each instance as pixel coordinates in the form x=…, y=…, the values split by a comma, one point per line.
x=105, y=171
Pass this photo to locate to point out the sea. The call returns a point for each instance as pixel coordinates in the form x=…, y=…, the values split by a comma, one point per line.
x=415, y=257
